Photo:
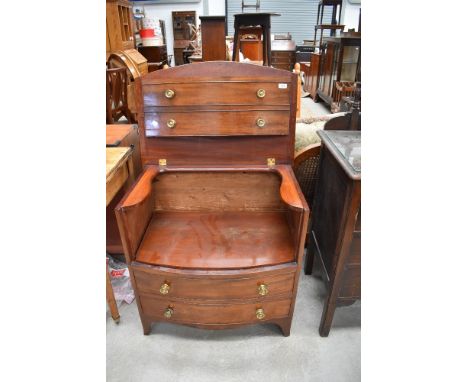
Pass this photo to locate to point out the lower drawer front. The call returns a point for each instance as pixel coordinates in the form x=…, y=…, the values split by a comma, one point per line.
x=205, y=123
x=249, y=287
x=351, y=284
x=213, y=314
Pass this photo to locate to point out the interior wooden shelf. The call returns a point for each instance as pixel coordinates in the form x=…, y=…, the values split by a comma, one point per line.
x=217, y=240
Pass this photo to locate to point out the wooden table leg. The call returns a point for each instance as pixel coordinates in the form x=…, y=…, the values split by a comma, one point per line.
x=111, y=299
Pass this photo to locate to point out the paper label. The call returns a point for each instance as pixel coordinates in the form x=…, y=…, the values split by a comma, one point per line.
x=282, y=86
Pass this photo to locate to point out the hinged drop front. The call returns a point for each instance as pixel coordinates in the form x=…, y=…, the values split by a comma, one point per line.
x=223, y=113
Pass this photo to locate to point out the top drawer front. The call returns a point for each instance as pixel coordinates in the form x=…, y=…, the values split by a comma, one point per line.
x=216, y=93
x=249, y=287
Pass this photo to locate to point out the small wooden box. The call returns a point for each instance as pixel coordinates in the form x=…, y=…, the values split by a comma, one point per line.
x=214, y=229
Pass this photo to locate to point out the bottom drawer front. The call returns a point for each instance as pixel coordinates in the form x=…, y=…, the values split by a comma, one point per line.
x=213, y=313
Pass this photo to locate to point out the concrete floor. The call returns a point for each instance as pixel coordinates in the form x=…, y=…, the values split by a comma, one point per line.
x=255, y=353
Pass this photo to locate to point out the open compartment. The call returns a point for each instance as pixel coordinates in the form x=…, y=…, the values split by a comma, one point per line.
x=214, y=218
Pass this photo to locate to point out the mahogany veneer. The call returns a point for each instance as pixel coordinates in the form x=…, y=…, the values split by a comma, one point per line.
x=214, y=228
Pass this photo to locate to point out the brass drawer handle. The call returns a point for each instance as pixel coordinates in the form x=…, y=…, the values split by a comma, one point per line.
x=171, y=123
x=169, y=93
x=262, y=289
x=260, y=314
x=260, y=122
x=261, y=93
x=168, y=312
x=164, y=288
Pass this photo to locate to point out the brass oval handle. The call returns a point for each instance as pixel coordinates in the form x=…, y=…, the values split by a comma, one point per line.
x=169, y=93
x=164, y=288
x=262, y=289
x=260, y=314
x=171, y=123
x=261, y=93
x=168, y=312
x=260, y=122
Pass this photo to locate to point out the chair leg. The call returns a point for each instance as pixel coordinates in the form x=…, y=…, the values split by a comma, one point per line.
x=111, y=299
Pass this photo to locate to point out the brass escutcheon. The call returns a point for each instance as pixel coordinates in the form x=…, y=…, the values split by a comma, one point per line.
x=171, y=123
x=164, y=288
x=261, y=93
x=260, y=122
x=262, y=289
x=168, y=312
x=260, y=313
x=169, y=93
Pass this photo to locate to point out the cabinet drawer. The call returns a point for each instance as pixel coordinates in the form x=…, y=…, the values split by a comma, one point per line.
x=355, y=249
x=212, y=314
x=215, y=123
x=351, y=284
x=278, y=54
x=214, y=93
x=203, y=287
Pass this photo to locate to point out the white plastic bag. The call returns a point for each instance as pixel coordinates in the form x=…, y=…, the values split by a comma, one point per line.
x=120, y=280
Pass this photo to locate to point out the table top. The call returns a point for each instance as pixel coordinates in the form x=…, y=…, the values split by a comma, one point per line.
x=115, y=158
x=346, y=148
x=250, y=14
x=117, y=132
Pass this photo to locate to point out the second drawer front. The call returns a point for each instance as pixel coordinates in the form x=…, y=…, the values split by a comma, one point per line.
x=213, y=314
x=214, y=289
x=205, y=123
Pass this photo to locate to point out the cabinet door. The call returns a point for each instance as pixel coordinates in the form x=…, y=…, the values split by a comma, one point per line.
x=349, y=63
x=328, y=65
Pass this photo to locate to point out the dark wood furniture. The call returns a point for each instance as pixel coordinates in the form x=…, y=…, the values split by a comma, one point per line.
x=252, y=49
x=283, y=54
x=340, y=60
x=121, y=135
x=213, y=29
x=311, y=71
x=116, y=95
x=333, y=26
x=349, y=121
x=182, y=32
x=214, y=229
x=119, y=26
x=335, y=235
x=136, y=66
x=156, y=56
x=245, y=20
x=119, y=172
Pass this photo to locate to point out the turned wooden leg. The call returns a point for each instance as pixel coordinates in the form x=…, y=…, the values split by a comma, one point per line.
x=285, y=326
x=327, y=317
x=111, y=299
x=146, y=325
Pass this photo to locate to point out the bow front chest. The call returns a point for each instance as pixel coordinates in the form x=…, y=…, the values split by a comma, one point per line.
x=213, y=229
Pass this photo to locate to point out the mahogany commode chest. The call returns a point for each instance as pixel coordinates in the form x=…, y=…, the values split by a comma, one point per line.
x=213, y=230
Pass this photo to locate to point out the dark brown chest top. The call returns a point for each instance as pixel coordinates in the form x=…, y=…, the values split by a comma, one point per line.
x=345, y=146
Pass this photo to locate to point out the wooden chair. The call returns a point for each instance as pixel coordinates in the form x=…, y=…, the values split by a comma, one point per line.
x=305, y=168
x=116, y=95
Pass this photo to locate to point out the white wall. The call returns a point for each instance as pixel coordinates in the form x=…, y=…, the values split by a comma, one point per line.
x=216, y=7
x=350, y=15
